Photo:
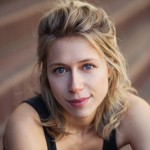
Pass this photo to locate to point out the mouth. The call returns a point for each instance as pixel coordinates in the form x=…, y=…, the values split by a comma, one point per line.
x=79, y=103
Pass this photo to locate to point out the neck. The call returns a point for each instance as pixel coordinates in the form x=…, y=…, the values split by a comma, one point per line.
x=80, y=125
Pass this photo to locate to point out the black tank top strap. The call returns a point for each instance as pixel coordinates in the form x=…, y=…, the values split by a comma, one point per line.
x=50, y=141
x=39, y=105
x=110, y=144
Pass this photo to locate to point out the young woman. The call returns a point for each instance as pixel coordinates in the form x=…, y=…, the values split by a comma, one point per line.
x=86, y=100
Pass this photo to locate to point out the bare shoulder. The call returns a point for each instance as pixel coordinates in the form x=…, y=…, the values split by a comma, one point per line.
x=138, y=108
x=23, y=130
x=135, y=127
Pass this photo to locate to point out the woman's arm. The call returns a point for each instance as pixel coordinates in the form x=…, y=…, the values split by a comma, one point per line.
x=23, y=130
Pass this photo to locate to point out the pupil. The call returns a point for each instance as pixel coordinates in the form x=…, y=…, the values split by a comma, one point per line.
x=61, y=70
x=88, y=67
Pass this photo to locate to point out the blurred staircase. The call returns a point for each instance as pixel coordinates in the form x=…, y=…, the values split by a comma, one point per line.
x=18, y=25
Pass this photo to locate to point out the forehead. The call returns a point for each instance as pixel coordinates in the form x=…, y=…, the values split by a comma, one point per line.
x=73, y=45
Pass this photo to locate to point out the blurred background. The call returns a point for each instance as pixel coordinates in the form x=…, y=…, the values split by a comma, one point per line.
x=18, y=32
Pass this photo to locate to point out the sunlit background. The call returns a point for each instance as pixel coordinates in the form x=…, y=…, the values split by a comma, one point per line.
x=18, y=25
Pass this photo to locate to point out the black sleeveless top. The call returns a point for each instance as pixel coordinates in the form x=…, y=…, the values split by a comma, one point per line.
x=39, y=105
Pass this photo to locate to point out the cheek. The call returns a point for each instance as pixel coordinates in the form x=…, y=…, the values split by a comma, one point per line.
x=101, y=83
x=56, y=87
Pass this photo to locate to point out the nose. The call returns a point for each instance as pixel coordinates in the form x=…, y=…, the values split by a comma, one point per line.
x=76, y=83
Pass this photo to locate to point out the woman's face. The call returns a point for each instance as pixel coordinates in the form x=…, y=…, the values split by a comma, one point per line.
x=78, y=76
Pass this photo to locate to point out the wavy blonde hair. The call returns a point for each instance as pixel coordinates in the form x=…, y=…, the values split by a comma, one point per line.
x=76, y=18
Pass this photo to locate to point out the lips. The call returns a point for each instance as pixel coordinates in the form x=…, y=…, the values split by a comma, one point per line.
x=79, y=103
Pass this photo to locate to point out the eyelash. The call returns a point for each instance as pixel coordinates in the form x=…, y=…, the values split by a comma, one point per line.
x=56, y=70
x=88, y=65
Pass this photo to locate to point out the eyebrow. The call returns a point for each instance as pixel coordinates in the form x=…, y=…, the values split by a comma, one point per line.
x=63, y=64
x=86, y=60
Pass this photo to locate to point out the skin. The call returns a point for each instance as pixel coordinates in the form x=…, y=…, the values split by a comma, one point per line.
x=76, y=72
x=73, y=78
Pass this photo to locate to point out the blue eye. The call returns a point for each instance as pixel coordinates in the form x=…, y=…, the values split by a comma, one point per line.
x=88, y=67
x=59, y=70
